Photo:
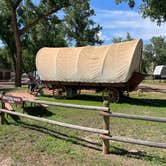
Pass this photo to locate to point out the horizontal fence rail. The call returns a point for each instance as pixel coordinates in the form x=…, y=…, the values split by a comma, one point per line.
x=88, y=129
x=68, y=105
x=134, y=141
x=136, y=117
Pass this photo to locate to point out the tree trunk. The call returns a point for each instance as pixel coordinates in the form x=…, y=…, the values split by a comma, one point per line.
x=18, y=49
x=13, y=56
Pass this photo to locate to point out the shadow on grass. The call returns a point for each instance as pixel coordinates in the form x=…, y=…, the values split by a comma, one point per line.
x=131, y=101
x=83, y=97
x=38, y=111
x=59, y=135
x=137, y=155
x=145, y=102
x=92, y=145
x=86, y=97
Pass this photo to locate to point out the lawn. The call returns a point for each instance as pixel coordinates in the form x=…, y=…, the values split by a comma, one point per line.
x=157, y=82
x=27, y=142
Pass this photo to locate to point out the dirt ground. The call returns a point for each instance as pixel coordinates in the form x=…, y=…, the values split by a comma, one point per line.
x=152, y=88
x=143, y=86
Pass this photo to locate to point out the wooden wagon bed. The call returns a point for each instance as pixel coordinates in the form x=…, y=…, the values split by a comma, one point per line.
x=130, y=85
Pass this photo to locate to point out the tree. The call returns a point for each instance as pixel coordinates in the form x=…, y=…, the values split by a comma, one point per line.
x=24, y=16
x=6, y=33
x=47, y=34
x=128, y=37
x=120, y=39
x=154, y=9
x=5, y=61
x=117, y=40
x=154, y=53
x=80, y=29
x=147, y=63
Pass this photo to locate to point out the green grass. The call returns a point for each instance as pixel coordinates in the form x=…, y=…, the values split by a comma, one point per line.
x=157, y=82
x=29, y=142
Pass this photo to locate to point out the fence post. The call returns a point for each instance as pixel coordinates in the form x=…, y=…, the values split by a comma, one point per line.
x=106, y=126
x=2, y=114
x=23, y=107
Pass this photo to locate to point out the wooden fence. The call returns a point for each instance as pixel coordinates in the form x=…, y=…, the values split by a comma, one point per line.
x=104, y=111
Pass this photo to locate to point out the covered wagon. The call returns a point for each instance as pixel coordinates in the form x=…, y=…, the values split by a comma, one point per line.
x=113, y=68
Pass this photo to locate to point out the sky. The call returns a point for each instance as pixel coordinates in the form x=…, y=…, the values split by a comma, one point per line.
x=117, y=20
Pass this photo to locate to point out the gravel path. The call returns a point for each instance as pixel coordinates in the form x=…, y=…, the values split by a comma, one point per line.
x=153, y=87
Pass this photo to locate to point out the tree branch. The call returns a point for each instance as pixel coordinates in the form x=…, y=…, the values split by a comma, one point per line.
x=17, y=3
x=33, y=23
x=13, y=5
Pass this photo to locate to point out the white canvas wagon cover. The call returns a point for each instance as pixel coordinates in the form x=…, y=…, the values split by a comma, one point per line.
x=114, y=63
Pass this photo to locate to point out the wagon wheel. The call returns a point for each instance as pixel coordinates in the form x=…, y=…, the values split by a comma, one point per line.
x=78, y=92
x=111, y=94
x=125, y=93
x=63, y=91
x=59, y=92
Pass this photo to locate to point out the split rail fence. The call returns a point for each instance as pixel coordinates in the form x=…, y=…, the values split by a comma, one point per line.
x=104, y=111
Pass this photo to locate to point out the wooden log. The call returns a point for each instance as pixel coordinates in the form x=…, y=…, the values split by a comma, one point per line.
x=136, y=117
x=88, y=129
x=8, y=107
x=68, y=105
x=134, y=141
x=106, y=127
x=43, y=105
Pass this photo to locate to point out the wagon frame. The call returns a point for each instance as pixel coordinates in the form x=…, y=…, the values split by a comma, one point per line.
x=114, y=90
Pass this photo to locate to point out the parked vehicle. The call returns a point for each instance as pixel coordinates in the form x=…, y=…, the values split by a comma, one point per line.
x=159, y=72
x=112, y=69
